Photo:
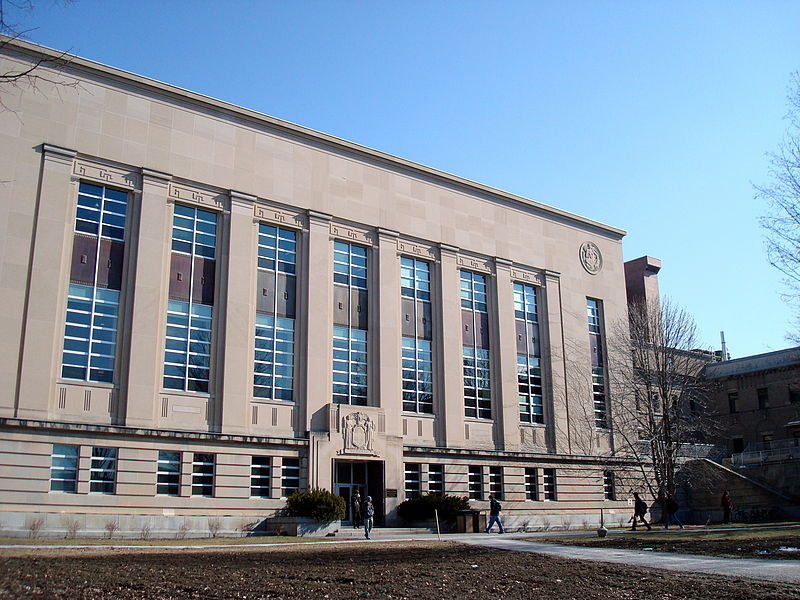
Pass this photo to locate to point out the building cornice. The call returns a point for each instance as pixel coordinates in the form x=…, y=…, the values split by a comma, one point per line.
x=69, y=62
x=220, y=438
x=540, y=457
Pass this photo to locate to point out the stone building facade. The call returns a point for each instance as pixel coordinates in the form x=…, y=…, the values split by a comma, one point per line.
x=206, y=308
x=758, y=400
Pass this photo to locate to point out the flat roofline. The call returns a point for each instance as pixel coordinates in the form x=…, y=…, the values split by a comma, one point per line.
x=754, y=363
x=79, y=63
x=758, y=356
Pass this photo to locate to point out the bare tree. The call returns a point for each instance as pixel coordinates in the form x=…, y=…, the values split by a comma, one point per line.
x=782, y=195
x=581, y=433
x=36, y=71
x=659, y=402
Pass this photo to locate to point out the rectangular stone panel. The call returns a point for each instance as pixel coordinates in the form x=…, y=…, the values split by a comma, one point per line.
x=265, y=292
x=286, y=295
x=84, y=258
x=203, y=280
x=341, y=306
x=358, y=309
x=180, y=276
x=467, y=328
x=407, y=317
x=109, y=264
x=424, y=322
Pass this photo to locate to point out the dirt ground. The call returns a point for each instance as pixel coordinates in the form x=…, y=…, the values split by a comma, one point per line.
x=419, y=571
x=714, y=544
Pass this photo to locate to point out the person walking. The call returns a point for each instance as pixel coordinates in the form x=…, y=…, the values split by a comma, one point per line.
x=727, y=506
x=639, y=511
x=368, y=513
x=355, y=510
x=494, y=514
x=671, y=507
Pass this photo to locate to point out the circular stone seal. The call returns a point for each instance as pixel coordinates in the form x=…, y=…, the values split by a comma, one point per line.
x=591, y=259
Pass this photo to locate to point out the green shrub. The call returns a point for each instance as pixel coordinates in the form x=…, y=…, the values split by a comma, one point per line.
x=320, y=505
x=422, y=507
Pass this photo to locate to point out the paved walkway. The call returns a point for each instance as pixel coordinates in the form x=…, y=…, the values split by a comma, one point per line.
x=786, y=571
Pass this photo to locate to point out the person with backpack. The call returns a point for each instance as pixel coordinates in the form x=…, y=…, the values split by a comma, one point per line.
x=368, y=513
x=639, y=511
x=494, y=514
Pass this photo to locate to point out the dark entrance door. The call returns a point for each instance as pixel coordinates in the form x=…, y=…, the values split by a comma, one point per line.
x=364, y=476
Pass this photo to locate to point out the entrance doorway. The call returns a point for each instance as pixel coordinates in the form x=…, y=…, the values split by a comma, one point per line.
x=364, y=476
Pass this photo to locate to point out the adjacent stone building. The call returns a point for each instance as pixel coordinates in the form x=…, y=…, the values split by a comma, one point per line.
x=206, y=308
x=758, y=400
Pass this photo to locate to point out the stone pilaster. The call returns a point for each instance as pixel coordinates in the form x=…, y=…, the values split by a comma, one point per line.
x=236, y=327
x=449, y=352
x=556, y=392
x=44, y=317
x=316, y=312
x=504, y=385
x=148, y=315
x=385, y=325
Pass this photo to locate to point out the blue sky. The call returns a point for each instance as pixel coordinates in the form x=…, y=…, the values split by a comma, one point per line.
x=650, y=116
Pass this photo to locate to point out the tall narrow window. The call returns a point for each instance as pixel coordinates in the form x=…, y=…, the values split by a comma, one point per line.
x=475, y=333
x=168, y=476
x=350, y=319
x=415, y=288
x=529, y=368
x=733, y=400
x=98, y=250
x=290, y=476
x=531, y=484
x=203, y=475
x=64, y=468
x=275, y=313
x=436, y=479
x=763, y=398
x=260, y=476
x=609, y=488
x=187, y=359
x=594, y=311
x=103, y=473
x=549, y=479
x=412, y=480
x=794, y=393
x=496, y=482
x=475, y=483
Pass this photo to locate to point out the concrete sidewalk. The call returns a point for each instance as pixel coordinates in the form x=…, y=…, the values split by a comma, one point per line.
x=784, y=571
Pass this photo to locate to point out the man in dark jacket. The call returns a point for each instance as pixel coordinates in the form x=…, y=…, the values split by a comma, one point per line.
x=639, y=511
x=671, y=507
x=355, y=509
x=494, y=514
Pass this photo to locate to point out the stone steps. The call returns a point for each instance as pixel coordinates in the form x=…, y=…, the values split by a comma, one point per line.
x=347, y=532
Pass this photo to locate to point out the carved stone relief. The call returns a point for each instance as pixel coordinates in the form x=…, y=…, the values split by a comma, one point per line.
x=358, y=434
x=475, y=264
x=193, y=195
x=420, y=249
x=106, y=175
x=352, y=234
x=527, y=276
x=278, y=216
x=591, y=259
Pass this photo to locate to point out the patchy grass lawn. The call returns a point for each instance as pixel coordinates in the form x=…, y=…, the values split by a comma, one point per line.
x=218, y=541
x=419, y=571
x=782, y=542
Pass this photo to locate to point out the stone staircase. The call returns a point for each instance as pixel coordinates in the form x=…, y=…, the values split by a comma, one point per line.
x=346, y=532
